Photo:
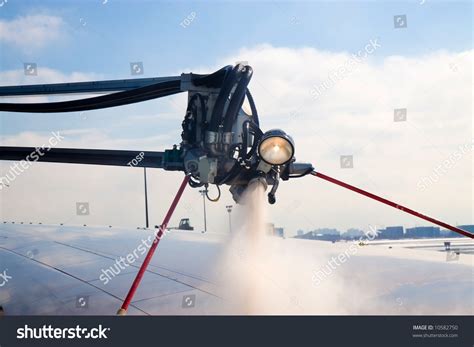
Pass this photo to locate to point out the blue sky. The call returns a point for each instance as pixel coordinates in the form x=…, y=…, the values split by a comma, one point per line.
x=121, y=31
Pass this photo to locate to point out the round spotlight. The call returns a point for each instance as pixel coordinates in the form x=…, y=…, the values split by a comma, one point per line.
x=276, y=147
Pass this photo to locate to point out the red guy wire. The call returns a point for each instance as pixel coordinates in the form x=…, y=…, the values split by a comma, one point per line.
x=151, y=251
x=393, y=204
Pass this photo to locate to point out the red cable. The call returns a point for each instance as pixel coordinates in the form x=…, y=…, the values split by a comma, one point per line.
x=390, y=203
x=150, y=253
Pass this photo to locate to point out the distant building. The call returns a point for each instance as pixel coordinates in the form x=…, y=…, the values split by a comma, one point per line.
x=419, y=232
x=274, y=231
x=280, y=232
x=353, y=234
x=328, y=237
x=448, y=233
x=388, y=233
x=391, y=233
x=469, y=228
x=308, y=235
x=313, y=235
x=326, y=231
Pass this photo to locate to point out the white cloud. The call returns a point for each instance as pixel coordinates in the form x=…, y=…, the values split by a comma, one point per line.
x=32, y=31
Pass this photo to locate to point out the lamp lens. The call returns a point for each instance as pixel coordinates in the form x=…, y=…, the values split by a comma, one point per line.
x=276, y=150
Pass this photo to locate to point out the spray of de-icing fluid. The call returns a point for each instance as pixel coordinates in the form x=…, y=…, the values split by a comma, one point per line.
x=260, y=274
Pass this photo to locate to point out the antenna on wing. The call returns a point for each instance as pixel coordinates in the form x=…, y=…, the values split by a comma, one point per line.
x=147, y=224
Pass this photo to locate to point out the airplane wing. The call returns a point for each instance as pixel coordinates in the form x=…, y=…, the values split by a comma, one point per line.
x=66, y=270
x=77, y=271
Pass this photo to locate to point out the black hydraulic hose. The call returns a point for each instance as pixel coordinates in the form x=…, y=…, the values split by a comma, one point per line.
x=213, y=80
x=229, y=82
x=258, y=134
x=152, y=91
x=253, y=108
x=237, y=99
x=243, y=148
x=255, y=123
